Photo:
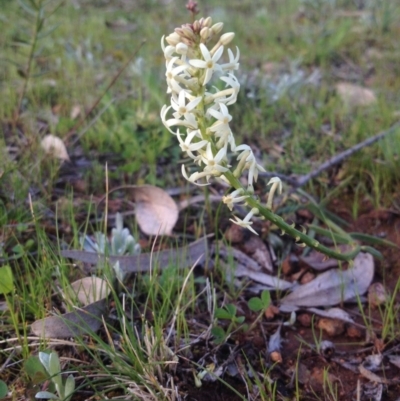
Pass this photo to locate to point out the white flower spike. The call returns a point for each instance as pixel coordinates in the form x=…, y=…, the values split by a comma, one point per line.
x=203, y=112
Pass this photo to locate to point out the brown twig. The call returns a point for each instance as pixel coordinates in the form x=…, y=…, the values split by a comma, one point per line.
x=340, y=157
x=96, y=103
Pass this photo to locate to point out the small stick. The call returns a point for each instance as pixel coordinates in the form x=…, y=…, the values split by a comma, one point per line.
x=334, y=160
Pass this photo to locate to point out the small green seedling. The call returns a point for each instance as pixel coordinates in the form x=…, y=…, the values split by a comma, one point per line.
x=228, y=312
x=122, y=243
x=3, y=389
x=52, y=365
x=260, y=305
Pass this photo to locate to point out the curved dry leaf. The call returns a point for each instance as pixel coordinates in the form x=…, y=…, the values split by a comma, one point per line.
x=79, y=322
x=156, y=211
x=332, y=313
x=54, y=146
x=334, y=286
x=89, y=290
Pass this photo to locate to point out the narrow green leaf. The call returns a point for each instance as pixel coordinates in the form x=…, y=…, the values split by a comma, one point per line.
x=6, y=280
x=266, y=298
x=31, y=11
x=372, y=251
x=338, y=238
x=370, y=239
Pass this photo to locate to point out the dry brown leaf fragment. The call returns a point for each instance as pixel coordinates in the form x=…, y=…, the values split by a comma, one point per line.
x=333, y=327
x=377, y=295
x=257, y=250
x=156, y=211
x=354, y=95
x=54, y=146
x=371, y=376
x=75, y=112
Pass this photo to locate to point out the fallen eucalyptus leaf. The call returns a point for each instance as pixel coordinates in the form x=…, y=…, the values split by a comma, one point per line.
x=79, y=322
x=156, y=211
x=180, y=257
x=54, y=146
x=334, y=286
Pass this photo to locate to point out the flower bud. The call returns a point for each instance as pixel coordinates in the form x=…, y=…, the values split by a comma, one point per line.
x=207, y=22
x=173, y=39
x=188, y=33
x=217, y=28
x=205, y=33
x=197, y=26
x=226, y=38
x=181, y=48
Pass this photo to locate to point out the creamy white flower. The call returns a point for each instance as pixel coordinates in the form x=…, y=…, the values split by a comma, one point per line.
x=234, y=197
x=233, y=61
x=225, y=138
x=223, y=118
x=195, y=176
x=209, y=63
x=188, y=146
x=246, y=223
x=180, y=106
x=276, y=185
x=248, y=161
x=215, y=165
x=232, y=93
x=172, y=73
x=189, y=121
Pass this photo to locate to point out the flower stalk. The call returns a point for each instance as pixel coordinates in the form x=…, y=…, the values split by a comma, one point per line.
x=198, y=116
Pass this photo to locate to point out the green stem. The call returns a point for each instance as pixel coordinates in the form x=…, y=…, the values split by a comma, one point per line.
x=38, y=26
x=290, y=230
